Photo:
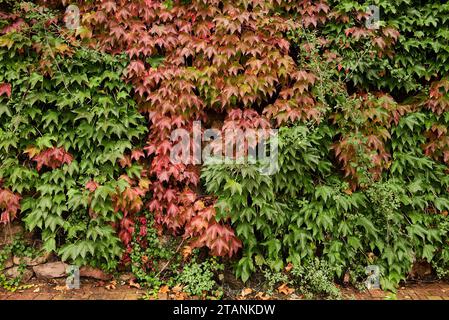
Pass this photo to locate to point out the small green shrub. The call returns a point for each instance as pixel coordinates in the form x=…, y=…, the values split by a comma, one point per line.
x=18, y=248
x=198, y=278
x=315, y=278
x=152, y=262
x=274, y=278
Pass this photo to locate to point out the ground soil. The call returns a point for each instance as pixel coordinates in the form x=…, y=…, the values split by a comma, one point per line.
x=98, y=290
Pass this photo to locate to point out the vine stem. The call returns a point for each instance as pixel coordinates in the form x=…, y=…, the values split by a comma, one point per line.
x=168, y=262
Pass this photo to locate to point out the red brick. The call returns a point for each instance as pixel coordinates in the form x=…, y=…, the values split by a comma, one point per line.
x=44, y=296
x=377, y=293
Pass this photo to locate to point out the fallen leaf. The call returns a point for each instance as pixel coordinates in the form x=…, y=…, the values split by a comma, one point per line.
x=246, y=291
x=177, y=288
x=218, y=294
x=112, y=285
x=284, y=289
x=61, y=288
x=262, y=296
x=181, y=296
x=37, y=290
x=133, y=284
x=162, y=296
x=164, y=289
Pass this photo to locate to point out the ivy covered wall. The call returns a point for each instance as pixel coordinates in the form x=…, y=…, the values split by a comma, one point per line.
x=86, y=117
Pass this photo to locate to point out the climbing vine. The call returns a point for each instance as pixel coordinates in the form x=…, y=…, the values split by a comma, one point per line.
x=87, y=117
x=65, y=121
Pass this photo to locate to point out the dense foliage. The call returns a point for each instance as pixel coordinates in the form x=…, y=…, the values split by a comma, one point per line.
x=411, y=49
x=65, y=121
x=362, y=114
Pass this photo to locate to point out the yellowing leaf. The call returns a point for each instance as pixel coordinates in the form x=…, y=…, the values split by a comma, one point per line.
x=84, y=32
x=144, y=184
x=61, y=48
x=31, y=151
x=6, y=42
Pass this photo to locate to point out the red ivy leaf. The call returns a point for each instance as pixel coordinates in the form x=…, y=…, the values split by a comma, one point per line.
x=10, y=203
x=92, y=186
x=5, y=89
x=52, y=158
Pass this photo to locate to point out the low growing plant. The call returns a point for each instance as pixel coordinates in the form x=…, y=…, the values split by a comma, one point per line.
x=17, y=248
x=198, y=279
x=315, y=278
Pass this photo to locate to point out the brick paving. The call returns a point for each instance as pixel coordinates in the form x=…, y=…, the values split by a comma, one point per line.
x=94, y=290
x=412, y=291
x=89, y=290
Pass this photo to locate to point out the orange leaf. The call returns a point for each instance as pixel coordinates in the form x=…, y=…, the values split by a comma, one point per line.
x=246, y=291
x=284, y=289
x=289, y=267
x=178, y=288
x=262, y=296
x=164, y=289
x=186, y=252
